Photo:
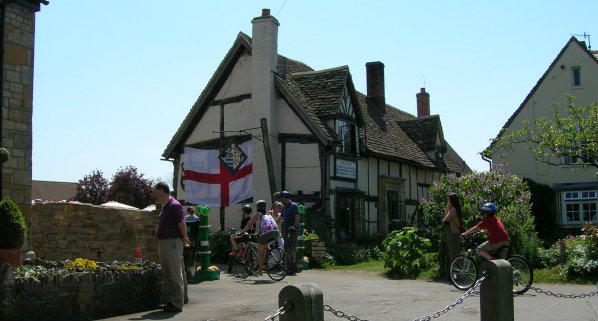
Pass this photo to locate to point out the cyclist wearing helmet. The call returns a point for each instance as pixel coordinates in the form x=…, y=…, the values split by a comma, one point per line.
x=238, y=237
x=268, y=230
x=497, y=236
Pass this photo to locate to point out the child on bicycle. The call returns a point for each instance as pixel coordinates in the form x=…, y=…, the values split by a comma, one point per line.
x=497, y=236
x=237, y=238
x=268, y=231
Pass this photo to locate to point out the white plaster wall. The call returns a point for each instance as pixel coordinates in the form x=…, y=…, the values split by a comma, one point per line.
x=235, y=118
x=556, y=83
x=204, y=130
x=239, y=81
x=302, y=168
x=288, y=121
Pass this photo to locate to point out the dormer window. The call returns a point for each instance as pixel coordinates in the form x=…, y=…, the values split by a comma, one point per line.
x=346, y=126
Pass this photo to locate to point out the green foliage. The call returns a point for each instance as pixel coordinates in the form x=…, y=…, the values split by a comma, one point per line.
x=572, y=133
x=581, y=255
x=13, y=230
x=343, y=254
x=510, y=194
x=404, y=252
x=220, y=246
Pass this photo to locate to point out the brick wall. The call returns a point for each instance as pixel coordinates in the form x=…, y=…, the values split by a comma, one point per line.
x=17, y=106
x=62, y=231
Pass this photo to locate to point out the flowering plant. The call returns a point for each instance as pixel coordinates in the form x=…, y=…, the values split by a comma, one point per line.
x=81, y=264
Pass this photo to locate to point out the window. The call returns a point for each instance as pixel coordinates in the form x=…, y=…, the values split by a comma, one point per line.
x=346, y=127
x=350, y=217
x=579, y=207
x=576, y=76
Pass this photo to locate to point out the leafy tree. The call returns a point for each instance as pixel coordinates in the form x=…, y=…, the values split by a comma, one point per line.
x=510, y=194
x=92, y=188
x=128, y=186
x=571, y=134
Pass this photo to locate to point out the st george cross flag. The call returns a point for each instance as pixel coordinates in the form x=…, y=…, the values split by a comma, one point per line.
x=218, y=177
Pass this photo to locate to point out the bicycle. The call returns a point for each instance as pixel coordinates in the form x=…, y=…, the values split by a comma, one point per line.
x=243, y=262
x=464, y=269
x=275, y=261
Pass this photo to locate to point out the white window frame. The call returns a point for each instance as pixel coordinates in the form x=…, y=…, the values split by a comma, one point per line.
x=583, y=201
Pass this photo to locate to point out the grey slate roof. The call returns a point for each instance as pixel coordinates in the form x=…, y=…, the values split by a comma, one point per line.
x=316, y=97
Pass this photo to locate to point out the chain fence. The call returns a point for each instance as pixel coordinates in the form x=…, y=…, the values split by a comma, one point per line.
x=566, y=296
x=338, y=313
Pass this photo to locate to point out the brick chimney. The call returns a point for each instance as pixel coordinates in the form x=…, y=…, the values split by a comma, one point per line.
x=423, y=103
x=375, y=83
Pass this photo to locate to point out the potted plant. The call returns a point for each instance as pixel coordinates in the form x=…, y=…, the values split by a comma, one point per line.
x=13, y=232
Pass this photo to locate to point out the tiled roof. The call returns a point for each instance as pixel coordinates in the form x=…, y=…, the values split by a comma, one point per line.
x=317, y=94
x=422, y=130
x=52, y=191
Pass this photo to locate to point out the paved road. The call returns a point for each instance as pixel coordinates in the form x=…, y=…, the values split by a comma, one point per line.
x=367, y=296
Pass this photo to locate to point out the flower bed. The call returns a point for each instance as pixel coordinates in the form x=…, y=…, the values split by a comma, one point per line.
x=81, y=289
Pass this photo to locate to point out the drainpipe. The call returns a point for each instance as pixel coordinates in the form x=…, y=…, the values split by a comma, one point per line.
x=489, y=160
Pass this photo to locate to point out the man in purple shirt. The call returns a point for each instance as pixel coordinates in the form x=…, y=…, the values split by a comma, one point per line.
x=172, y=236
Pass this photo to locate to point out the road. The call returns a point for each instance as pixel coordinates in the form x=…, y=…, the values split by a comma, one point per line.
x=367, y=296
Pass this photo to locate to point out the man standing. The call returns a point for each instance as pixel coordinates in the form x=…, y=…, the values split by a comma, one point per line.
x=290, y=227
x=172, y=236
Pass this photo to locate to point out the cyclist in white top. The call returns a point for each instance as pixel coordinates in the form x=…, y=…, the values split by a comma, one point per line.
x=268, y=231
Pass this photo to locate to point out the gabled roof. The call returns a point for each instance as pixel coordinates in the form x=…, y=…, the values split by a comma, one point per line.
x=316, y=96
x=424, y=131
x=572, y=41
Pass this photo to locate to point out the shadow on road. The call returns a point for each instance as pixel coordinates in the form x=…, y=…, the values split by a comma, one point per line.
x=156, y=315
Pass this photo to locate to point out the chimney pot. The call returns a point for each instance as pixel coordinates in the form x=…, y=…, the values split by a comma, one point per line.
x=423, y=103
x=265, y=12
x=375, y=85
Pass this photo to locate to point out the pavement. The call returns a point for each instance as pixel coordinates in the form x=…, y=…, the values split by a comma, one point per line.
x=366, y=296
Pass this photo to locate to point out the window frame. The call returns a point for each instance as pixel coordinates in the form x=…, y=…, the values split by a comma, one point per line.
x=578, y=207
x=576, y=77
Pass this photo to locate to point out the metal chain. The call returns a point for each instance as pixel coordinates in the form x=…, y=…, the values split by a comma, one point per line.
x=567, y=296
x=457, y=302
x=342, y=314
x=287, y=306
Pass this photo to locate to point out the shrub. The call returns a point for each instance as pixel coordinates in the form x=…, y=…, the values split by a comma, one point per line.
x=13, y=230
x=220, y=246
x=342, y=254
x=510, y=194
x=404, y=252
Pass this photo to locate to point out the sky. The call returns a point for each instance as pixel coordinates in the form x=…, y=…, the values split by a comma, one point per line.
x=115, y=79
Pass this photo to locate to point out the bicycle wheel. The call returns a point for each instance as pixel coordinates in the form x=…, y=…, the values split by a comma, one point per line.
x=239, y=268
x=463, y=272
x=275, y=264
x=523, y=276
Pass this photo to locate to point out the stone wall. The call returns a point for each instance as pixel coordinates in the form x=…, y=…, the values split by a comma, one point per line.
x=84, y=295
x=62, y=231
x=19, y=35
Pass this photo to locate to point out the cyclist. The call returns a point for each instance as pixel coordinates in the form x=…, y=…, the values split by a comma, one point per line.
x=497, y=236
x=268, y=230
x=290, y=227
x=237, y=238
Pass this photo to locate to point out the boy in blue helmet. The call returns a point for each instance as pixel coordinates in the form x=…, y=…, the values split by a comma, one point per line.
x=497, y=236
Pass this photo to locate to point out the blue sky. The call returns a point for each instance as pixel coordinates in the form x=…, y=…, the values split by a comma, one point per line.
x=115, y=79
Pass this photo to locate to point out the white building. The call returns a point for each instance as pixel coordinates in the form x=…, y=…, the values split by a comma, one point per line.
x=356, y=162
x=574, y=71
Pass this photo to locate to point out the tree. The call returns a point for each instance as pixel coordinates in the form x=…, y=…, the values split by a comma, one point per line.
x=92, y=188
x=128, y=186
x=571, y=135
x=510, y=194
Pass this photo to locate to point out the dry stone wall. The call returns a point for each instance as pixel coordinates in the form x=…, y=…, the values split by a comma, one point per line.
x=61, y=231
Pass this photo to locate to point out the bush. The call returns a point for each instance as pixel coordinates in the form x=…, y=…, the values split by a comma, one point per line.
x=510, y=194
x=581, y=255
x=128, y=186
x=220, y=246
x=343, y=254
x=13, y=231
x=404, y=252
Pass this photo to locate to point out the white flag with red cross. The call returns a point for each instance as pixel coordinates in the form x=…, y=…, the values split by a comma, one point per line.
x=218, y=177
